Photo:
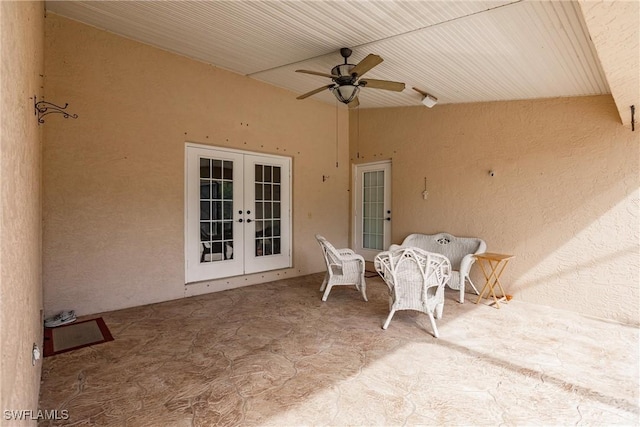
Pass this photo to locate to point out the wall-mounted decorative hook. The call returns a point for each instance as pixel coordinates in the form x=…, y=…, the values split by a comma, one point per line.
x=325, y=178
x=42, y=108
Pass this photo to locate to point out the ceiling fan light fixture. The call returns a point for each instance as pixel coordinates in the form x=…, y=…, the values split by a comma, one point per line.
x=346, y=93
x=429, y=100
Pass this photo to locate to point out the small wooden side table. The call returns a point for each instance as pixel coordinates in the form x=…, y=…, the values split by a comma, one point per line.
x=495, y=264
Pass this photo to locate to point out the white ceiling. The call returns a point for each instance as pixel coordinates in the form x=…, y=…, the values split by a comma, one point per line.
x=459, y=51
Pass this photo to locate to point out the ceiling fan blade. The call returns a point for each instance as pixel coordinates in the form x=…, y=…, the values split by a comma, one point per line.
x=366, y=64
x=317, y=73
x=383, y=84
x=313, y=92
x=354, y=103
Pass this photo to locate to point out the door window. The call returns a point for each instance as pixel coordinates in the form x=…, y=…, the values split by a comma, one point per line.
x=216, y=209
x=372, y=208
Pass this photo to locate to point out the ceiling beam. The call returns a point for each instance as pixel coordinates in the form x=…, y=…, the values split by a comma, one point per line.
x=614, y=27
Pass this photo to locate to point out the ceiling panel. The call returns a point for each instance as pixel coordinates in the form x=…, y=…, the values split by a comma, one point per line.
x=458, y=51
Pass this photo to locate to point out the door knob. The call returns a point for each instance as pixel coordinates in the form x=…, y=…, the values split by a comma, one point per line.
x=388, y=219
x=240, y=220
x=249, y=220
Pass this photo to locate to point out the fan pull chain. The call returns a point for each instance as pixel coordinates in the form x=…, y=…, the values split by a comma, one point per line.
x=337, y=133
x=358, y=134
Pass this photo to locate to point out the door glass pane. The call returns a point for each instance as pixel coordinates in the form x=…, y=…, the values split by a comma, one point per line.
x=227, y=170
x=267, y=206
x=227, y=209
x=373, y=209
x=228, y=231
x=205, y=168
x=205, y=209
x=216, y=210
x=217, y=169
x=227, y=190
x=205, y=189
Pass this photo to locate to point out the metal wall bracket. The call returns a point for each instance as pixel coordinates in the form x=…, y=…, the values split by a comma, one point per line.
x=42, y=108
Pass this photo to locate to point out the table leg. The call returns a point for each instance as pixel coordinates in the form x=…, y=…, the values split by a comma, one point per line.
x=504, y=264
x=486, y=283
x=493, y=278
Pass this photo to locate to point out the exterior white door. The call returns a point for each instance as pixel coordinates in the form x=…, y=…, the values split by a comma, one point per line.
x=237, y=218
x=267, y=203
x=372, y=208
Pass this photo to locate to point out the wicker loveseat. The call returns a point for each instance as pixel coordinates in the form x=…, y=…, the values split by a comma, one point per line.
x=459, y=250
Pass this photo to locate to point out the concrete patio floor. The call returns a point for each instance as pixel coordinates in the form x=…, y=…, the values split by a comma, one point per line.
x=274, y=354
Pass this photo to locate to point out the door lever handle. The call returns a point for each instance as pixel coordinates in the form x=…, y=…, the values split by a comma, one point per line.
x=249, y=220
x=388, y=219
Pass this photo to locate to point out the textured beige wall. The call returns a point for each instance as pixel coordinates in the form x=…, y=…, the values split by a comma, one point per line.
x=564, y=198
x=21, y=44
x=114, y=178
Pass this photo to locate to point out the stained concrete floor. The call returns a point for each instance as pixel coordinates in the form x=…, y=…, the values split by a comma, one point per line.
x=274, y=354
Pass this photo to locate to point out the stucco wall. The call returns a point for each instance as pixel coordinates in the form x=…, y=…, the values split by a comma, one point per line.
x=21, y=44
x=114, y=178
x=564, y=198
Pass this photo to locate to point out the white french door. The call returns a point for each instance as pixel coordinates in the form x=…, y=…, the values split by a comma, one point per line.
x=372, y=208
x=238, y=216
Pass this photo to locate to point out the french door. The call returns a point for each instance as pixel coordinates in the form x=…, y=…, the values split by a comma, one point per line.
x=372, y=208
x=238, y=216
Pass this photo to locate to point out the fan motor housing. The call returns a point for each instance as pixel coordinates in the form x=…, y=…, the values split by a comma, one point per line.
x=344, y=73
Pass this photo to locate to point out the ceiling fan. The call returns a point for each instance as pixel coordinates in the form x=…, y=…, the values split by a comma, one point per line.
x=347, y=79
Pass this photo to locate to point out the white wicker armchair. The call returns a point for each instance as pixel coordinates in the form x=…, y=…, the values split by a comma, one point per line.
x=416, y=280
x=459, y=250
x=344, y=267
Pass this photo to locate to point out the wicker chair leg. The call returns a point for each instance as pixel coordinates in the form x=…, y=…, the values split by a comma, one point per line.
x=386, y=323
x=439, y=309
x=363, y=288
x=433, y=325
x=324, y=282
x=472, y=285
x=326, y=292
x=462, y=292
